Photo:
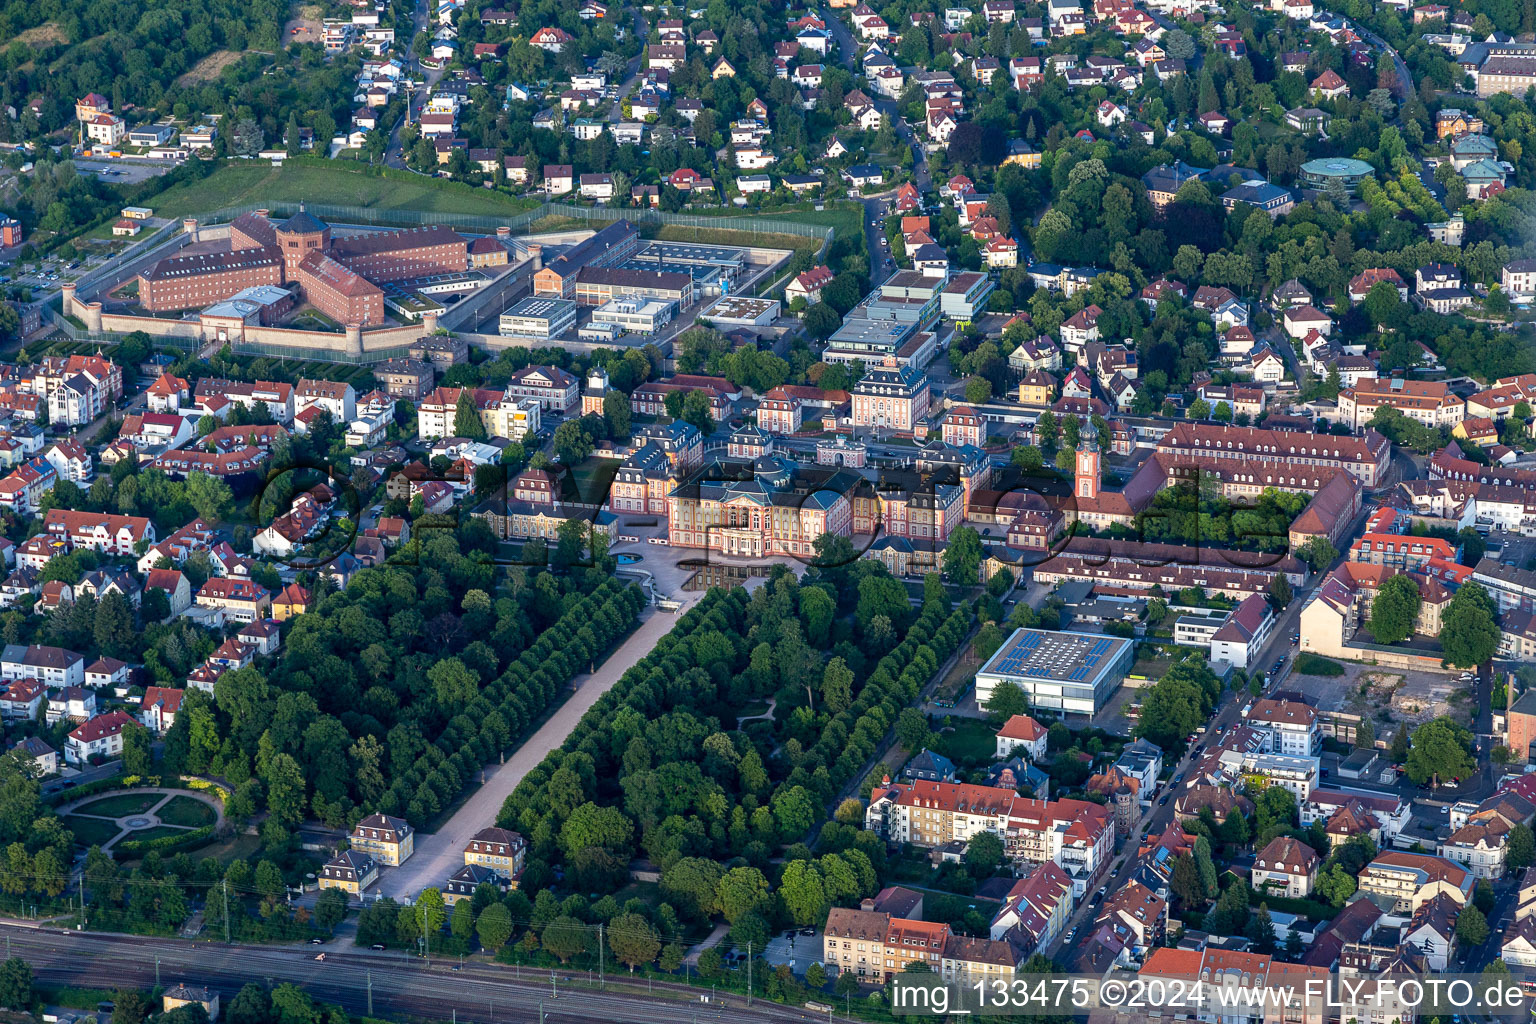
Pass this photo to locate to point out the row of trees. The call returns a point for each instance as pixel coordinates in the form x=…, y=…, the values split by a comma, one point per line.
x=413, y=678
x=651, y=764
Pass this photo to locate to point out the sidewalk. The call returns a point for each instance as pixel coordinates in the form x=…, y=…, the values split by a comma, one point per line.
x=439, y=854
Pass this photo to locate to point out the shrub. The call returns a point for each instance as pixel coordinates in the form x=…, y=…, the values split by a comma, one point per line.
x=1312, y=665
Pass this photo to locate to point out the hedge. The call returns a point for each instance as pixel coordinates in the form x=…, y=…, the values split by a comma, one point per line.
x=189, y=840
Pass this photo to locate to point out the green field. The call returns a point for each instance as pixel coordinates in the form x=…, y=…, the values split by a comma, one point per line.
x=90, y=831
x=121, y=804
x=251, y=182
x=188, y=811
x=590, y=479
x=973, y=740
x=1312, y=665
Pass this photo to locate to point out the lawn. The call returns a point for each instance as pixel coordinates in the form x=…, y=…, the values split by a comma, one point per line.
x=237, y=847
x=90, y=831
x=243, y=183
x=591, y=478
x=121, y=804
x=973, y=740
x=186, y=810
x=1312, y=665
x=938, y=906
x=1150, y=667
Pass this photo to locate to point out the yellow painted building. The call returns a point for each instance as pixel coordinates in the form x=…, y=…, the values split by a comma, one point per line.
x=351, y=871
x=390, y=841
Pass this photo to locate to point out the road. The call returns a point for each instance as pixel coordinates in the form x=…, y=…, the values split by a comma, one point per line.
x=632, y=73
x=1403, y=87
x=395, y=984
x=440, y=853
x=394, y=155
x=880, y=264
x=1156, y=818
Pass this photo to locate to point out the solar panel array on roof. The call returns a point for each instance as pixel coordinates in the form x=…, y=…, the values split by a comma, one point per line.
x=1062, y=656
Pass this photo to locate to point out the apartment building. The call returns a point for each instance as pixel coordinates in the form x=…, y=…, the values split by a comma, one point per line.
x=1288, y=727
x=1365, y=458
x=1285, y=867
x=98, y=739
x=1428, y=402
x=1412, y=879
x=51, y=666
x=1074, y=834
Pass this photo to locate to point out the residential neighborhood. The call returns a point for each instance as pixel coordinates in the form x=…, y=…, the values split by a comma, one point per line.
x=566, y=510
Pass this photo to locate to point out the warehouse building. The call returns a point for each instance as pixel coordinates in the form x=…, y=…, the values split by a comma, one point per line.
x=536, y=317
x=635, y=316
x=1074, y=673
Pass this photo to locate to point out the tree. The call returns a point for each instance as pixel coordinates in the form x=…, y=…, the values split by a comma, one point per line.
x=494, y=926
x=821, y=320
x=466, y=418
x=1440, y=749
x=113, y=629
x=137, y=759
x=16, y=984
x=742, y=890
x=247, y=138
x=962, y=557
x=1185, y=882
x=431, y=912
x=617, y=412
x=572, y=443
x=1230, y=914
x=1171, y=711
x=1399, y=751
x=1520, y=848
x=1395, y=610
x=804, y=893
x=564, y=937
x=331, y=909
x=912, y=730
x=692, y=885
x=129, y=1006
x=837, y=686
x=1031, y=460
x=1179, y=44
x=1335, y=885
x=1261, y=930
x=1365, y=735
x=983, y=855
x=1008, y=699
x=1468, y=632
x=461, y=923
x=1317, y=553
x=633, y=939
x=697, y=412
x=978, y=390
x=209, y=495
x=1471, y=927
x=1279, y=590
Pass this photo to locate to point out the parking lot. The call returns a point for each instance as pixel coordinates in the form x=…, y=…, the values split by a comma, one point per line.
x=799, y=951
x=121, y=172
